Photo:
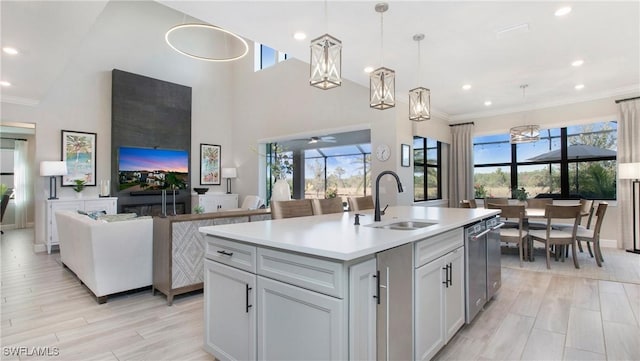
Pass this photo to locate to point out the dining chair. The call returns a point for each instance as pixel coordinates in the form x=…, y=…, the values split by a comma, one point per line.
x=586, y=210
x=327, y=206
x=539, y=203
x=495, y=200
x=290, y=209
x=517, y=234
x=555, y=237
x=468, y=203
x=592, y=235
x=360, y=203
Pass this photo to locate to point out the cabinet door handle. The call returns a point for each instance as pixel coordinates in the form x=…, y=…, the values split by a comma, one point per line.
x=226, y=253
x=450, y=274
x=247, y=298
x=377, y=295
x=446, y=276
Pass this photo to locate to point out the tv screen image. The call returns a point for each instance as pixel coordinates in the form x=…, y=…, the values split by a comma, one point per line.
x=142, y=169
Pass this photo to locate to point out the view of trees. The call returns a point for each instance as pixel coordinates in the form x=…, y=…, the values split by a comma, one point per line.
x=344, y=180
x=594, y=179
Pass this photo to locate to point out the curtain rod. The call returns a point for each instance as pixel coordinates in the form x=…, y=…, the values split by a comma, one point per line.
x=13, y=138
x=625, y=100
x=455, y=125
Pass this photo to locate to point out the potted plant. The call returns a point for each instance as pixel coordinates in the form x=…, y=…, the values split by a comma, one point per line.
x=520, y=194
x=78, y=186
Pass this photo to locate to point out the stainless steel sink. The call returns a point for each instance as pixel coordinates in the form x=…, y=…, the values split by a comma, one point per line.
x=405, y=225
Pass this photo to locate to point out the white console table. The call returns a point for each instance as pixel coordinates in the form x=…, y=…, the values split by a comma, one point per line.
x=215, y=202
x=107, y=204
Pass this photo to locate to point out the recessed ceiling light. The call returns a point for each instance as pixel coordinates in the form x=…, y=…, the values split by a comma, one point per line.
x=563, y=11
x=5, y=83
x=299, y=35
x=9, y=50
x=578, y=62
x=579, y=86
x=368, y=69
x=488, y=102
x=466, y=86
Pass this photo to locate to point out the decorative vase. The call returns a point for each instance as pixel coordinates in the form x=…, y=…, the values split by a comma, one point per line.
x=79, y=195
x=281, y=191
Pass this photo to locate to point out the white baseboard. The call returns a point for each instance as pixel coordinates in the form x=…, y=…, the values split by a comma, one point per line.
x=39, y=247
x=609, y=243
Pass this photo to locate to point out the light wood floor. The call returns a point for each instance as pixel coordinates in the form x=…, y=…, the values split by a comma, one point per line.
x=536, y=315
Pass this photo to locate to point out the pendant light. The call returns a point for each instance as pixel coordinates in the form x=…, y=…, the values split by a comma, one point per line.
x=524, y=133
x=326, y=60
x=420, y=97
x=382, y=81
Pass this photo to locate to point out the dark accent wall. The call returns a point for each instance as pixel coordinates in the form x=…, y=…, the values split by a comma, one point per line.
x=148, y=113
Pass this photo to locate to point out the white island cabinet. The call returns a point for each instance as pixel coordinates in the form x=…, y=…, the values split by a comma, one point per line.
x=316, y=287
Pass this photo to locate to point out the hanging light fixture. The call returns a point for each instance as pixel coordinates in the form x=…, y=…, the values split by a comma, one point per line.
x=326, y=60
x=524, y=133
x=420, y=97
x=382, y=81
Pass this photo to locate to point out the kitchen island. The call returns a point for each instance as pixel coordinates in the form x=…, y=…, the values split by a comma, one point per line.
x=321, y=287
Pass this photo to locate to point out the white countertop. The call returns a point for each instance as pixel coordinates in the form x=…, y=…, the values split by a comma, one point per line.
x=334, y=235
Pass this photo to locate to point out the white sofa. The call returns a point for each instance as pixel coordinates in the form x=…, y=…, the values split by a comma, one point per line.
x=108, y=257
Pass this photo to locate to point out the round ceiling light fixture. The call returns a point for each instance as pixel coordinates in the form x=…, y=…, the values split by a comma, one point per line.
x=188, y=39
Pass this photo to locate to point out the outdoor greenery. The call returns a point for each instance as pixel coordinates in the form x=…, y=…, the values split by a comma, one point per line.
x=595, y=179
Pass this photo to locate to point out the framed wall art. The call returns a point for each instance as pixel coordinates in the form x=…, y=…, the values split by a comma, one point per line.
x=79, y=152
x=210, y=164
x=405, y=159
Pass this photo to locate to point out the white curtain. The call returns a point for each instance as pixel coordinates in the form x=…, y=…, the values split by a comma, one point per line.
x=628, y=152
x=461, y=164
x=20, y=182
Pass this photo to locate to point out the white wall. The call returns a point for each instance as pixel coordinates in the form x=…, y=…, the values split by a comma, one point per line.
x=81, y=98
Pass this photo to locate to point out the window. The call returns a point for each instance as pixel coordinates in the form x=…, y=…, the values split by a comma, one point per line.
x=266, y=56
x=338, y=171
x=571, y=162
x=427, y=171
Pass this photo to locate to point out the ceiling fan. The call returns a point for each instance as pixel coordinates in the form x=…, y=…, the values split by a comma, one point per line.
x=313, y=140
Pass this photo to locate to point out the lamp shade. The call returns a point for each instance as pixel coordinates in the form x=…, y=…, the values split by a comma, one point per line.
x=53, y=168
x=629, y=170
x=229, y=173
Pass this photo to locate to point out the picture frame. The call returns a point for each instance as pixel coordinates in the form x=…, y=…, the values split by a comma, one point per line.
x=405, y=155
x=79, y=152
x=210, y=170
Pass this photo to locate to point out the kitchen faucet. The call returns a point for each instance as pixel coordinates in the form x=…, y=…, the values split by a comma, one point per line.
x=376, y=217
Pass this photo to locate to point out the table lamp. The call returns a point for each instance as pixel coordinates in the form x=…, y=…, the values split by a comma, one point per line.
x=229, y=173
x=632, y=171
x=52, y=169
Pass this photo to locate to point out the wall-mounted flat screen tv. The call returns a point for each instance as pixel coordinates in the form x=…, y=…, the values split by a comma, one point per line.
x=147, y=169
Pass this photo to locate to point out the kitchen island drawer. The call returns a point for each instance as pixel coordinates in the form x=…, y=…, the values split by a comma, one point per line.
x=312, y=273
x=234, y=254
x=433, y=247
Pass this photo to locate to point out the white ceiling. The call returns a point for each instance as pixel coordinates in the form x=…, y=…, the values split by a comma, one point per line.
x=461, y=46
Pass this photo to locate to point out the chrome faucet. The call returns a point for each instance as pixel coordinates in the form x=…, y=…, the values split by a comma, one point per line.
x=376, y=217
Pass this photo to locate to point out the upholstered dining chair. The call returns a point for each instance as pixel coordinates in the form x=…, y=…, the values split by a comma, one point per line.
x=326, y=206
x=592, y=235
x=360, y=203
x=290, y=209
x=517, y=234
x=586, y=210
x=468, y=203
x=555, y=237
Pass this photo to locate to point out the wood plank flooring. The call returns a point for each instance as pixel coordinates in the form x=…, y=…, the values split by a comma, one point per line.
x=537, y=315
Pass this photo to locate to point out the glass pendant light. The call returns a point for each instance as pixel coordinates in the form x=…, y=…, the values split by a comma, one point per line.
x=420, y=97
x=326, y=60
x=382, y=81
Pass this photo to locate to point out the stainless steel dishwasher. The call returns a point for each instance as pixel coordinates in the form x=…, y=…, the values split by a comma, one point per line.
x=475, y=251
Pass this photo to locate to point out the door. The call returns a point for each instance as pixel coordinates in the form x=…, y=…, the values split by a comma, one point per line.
x=362, y=311
x=229, y=312
x=57, y=205
x=454, y=294
x=429, y=303
x=227, y=201
x=297, y=324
